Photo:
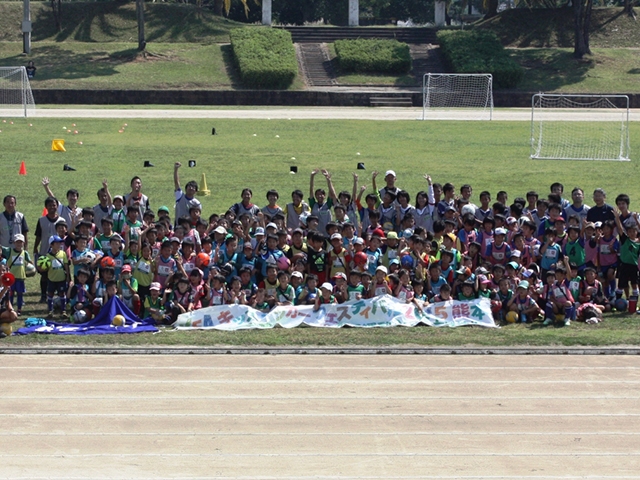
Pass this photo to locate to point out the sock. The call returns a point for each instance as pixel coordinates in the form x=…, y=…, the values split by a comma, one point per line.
x=548, y=311
x=63, y=303
x=20, y=301
x=567, y=312
x=618, y=294
x=136, y=307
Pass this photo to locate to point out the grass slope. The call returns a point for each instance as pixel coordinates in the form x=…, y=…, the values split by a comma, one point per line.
x=523, y=28
x=489, y=155
x=116, y=22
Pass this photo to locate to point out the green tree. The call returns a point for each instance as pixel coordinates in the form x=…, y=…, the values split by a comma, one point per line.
x=582, y=21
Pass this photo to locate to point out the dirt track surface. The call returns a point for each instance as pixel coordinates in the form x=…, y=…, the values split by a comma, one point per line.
x=338, y=417
x=324, y=113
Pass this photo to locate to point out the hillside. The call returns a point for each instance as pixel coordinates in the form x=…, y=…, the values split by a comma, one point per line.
x=540, y=28
x=116, y=22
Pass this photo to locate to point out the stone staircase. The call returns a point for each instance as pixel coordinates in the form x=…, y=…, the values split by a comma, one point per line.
x=331, y=34
x=405, y=100
x=425, y=59
x=315, y=63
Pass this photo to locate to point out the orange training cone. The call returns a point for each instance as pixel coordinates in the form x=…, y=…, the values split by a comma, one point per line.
x=23, y=169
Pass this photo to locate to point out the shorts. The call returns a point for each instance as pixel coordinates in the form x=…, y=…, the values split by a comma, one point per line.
x=18, y=286
x=143, y=292
x=604, y=269
x=56, y=287
x=628, y=273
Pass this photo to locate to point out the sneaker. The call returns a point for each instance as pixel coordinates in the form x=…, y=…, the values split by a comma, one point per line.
x=3, y=335
x=64, y=315
x=592, y=321
x=567, y=322
x=19, y=313
x=547, y=321
x=50, y=315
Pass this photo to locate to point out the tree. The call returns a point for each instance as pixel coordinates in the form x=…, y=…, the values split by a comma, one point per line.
x=491, y=6
x=582, y=22
x=56, y=7
x=140, y=17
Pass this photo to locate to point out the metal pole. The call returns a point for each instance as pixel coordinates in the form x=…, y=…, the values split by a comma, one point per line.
x=26, y=28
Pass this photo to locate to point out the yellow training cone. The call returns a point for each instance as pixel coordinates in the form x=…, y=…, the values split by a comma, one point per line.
x=57, y=145
x=203, y=191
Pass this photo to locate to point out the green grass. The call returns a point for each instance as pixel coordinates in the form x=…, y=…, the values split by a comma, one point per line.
x=555, y=70
x=489, y=155
x=79, y=65
x=104, y=22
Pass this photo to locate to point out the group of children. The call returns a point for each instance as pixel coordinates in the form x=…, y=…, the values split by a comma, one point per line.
x=534, y=258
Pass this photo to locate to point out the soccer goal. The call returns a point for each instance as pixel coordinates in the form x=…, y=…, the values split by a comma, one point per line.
x=469, y=95
x=16, y=99
x=580, y=127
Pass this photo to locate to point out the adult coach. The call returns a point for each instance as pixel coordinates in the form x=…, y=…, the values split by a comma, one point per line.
x=187, y=199
x=601, y=211
x=12, y=223
x=136, y=197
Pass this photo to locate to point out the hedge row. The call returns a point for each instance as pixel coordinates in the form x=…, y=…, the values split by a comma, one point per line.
x=478, y=51
x=373, y=55
x=265, y=57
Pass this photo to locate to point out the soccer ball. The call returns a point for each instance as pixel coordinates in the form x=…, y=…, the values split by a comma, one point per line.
x=107, y=262
x=360, y=259
x=496, y=306
x=118, y=321
x=6, y=328
x=44, y=263
x=80, y=316
x=621, y=305
x=407, y=261
x=30, y=270
x=283, y=263
x=202, y=260
x=512, y=317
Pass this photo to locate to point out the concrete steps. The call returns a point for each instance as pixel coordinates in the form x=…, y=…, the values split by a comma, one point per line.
x=316, y=64
x=330, y=34
x=391, y=101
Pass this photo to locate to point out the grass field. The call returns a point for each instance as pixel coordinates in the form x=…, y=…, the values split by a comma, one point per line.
x=247, y=153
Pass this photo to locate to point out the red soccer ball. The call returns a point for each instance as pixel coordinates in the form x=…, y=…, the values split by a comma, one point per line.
x=107, y=262
x=360, y=259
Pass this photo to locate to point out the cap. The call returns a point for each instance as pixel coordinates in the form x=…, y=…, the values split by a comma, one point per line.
x=126, y=268
x=382, y=269
x=511, y=220
x=395, y=261
x=483, y=279
x=118, y=197
x=271, y=225
x=516, y=253
x=155, y=286
x=247, y=244
x=163, y=208
x=341, y=275
x=18, y=238
x=451, y=236
x=378, y=232
x=523, y=284
x=500, y=231
x=450, y=209
x=221, y=230
x=175, y=239
x=54, y=239
x=196, y=272
x=298, y=230
x=481, y=271
x=297, y=274
x=513, y=265
x=598, y=225
x=527, y=273
x=392, y=236
x=559, y=219
x=590, y=225
x=336, y=235
x=464, y=271
x=327, y=286
x=259, y=231
x=358, y=241
x=390, y=172
x=116, y=236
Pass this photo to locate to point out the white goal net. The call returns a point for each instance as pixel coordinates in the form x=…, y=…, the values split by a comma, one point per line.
x=16, y=99
x=464, y=96
x=580, y=127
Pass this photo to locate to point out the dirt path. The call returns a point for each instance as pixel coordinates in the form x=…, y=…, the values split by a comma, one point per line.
x=338, y=417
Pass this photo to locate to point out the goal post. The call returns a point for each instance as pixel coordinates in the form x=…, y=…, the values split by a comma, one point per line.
x=16, y=98
x=580, y=127
x=469, y=93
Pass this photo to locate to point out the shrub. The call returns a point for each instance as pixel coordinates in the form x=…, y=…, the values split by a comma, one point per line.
x=373, y=55
x=478, y=51
x=265, y=57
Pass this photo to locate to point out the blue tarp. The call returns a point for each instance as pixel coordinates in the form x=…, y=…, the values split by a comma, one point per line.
x=98, y=326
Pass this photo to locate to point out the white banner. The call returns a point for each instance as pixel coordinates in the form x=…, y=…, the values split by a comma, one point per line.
x=384, y=311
